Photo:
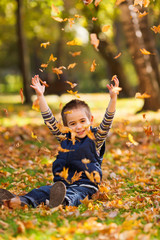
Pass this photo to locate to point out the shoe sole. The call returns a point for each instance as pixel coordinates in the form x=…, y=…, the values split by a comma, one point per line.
x=5, y=195
x=57, y=194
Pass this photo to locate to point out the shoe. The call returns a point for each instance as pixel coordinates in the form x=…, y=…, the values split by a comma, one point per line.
x=5, y=195
x=57, y=194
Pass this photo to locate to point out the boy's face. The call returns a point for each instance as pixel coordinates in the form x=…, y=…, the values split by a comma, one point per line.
x=79, y=122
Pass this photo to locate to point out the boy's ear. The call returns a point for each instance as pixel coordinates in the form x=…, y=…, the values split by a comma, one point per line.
x=92, y=118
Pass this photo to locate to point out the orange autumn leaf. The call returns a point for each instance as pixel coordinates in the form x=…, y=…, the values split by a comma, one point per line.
x=73, y=93
x=76, y=176
x=71, y=21
x=138, y=2
x=72, y=65
x=62, y=128
x=68, y=112
x=44, y=65
x=118, y=2
x=90, y=176
x=21, y=94
x=156, y=29
x=13, y=203
x=114, y=76
x=73, y=43
x=35, y=105
x=90, y=134
x=148, y=130
x=73, y=137
x=58, y=71
x=94, y=40
x=93, y=176
x=60, y=149
x=34, y=136
x=52, y=58
x=117, y=89
x=85, y=161
x=55, y=9
x=144, y=51
x=117, y=56
x=142, y=96
x=45, y=44
x=140, y=15
x=146, y=3
x=94, y=18
x=74, y=54
x=43, y=83
x=58, y=19
x=97, y=2
x=64, y=173
x=87, y=2
x=93, y=66
x=73, y=85
x=97, y=177
x=105, y=28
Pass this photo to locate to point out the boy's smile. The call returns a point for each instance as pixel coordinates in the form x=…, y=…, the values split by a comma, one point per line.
x=79, y=122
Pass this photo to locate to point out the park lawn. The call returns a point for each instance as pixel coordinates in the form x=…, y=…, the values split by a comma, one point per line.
x=127, y=205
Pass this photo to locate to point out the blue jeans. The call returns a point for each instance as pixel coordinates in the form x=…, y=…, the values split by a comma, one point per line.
x=74, y=194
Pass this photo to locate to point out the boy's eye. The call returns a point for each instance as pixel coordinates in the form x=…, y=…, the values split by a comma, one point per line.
x=72, y=124
x=82, y=121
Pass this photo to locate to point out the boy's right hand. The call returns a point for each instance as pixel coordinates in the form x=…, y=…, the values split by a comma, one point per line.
x=39, y=89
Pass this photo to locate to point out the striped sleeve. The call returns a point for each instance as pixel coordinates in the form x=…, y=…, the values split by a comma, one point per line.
x=103, y=129
x=51, y=122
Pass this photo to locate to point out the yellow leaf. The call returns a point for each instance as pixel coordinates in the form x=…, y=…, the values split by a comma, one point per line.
x=76, y=176
x=156, y=29
x=45, y=44
x=73, y=93
x=72, y=65
x=130, y=137
x=35, y=105
x=52, y=58
x=142, y=96
x=144, y=51
x=93, y=66
x=64, y=173
x=73, y=42
x=105, y=28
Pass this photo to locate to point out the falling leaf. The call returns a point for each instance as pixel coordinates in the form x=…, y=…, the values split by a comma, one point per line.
x=76, y=176
x=73, y=137
x=34, y=136
x=62, y=129
x=43, y=83
x=140, y=15
x=74, y=54
x=138, y=2
x=77, y=16
x=93, y=176
x=90, y=176
x=55, y=9
x=105, y=28
x=117, y=89
x=156, y=29
x=73, y=93
x=85, y=161
x=52, y=58
x=114, y=76
x=58, y=19
x=21, y=94
x=146, y=3
x=58, y=71
x=144, y=51
x=142, y=96
x=130, y=137
x=72, y=65
x=60, y=149
x=44, y=65
x=148, y=130
x=73, y=85
x=94, y=40
x=64, y=173
x=87, y=2
x=94, y=18
x=118, y=2
x=71, y=21
x=73, y=43
x=45, y=44
x=35, y=105
x=117, y=56
x=93, y=66
x=68, y=112
x=5, y=111
x=97, y=2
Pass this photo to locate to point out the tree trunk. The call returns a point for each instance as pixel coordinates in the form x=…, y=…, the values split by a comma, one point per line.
x=147, y=78
x=23, y=53
x=107, y=51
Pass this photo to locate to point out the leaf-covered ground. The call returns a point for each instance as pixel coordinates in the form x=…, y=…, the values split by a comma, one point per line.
x=127, y=207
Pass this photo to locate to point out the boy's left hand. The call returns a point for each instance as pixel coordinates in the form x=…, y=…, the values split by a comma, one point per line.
x=114, y=90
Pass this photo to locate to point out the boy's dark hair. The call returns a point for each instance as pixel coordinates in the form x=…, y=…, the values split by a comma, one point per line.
x=74, y=104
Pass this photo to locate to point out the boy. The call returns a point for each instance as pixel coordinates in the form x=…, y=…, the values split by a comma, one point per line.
x=82, y=155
